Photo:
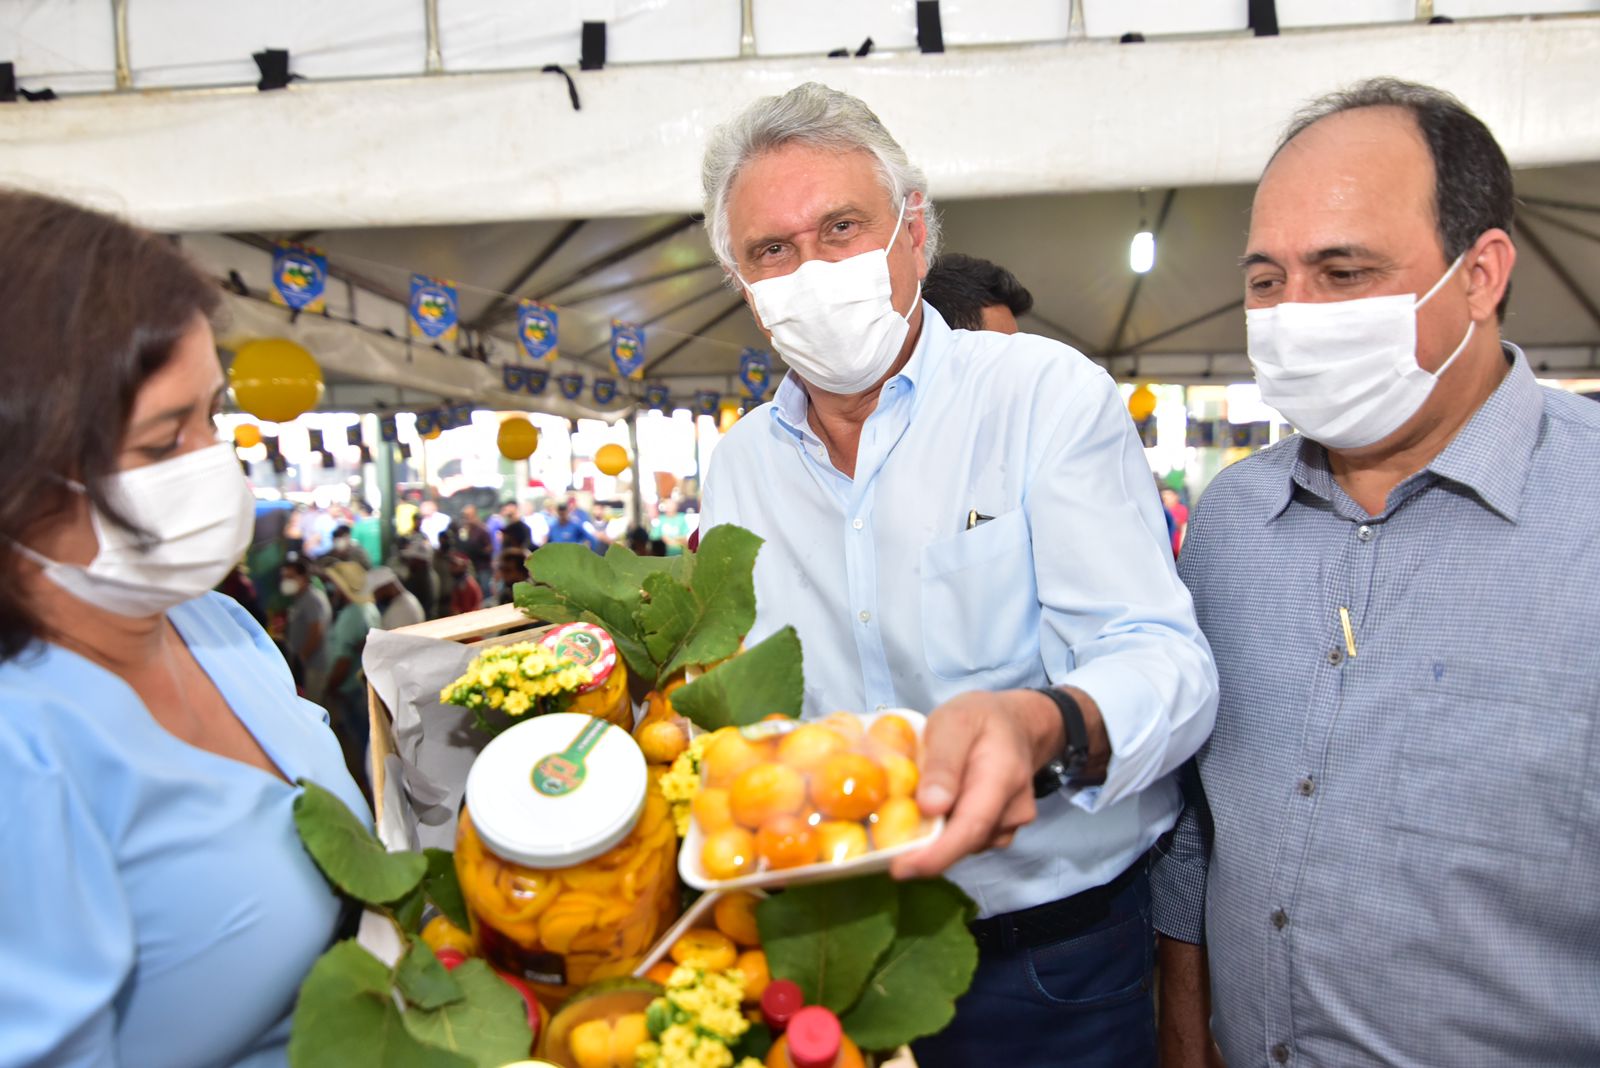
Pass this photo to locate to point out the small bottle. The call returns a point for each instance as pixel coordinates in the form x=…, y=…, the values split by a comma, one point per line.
x=779, y=1002
x=814, y=1039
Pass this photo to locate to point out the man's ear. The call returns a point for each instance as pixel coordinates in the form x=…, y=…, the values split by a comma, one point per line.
x=917, y=227
x=1489, y=263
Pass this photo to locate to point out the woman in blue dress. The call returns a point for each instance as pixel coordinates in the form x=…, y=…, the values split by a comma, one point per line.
x=156, y=906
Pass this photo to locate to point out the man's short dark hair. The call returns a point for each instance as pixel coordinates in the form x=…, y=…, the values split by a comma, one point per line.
x=342, y=530
x=1472, y=188
x=960, y=287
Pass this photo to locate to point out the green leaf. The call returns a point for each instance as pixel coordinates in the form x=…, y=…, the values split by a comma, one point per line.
x=756, y=1042
x=634, y=569
x=346, y=1017
x=488, y=1027
x=828, y=937
x=348, y=854
x=667, y=616
x=423, y=980
x=723, y=609
x=409, y=909
x=913, y=990
x=754, y=684
x=570, y=584
x=442, y=888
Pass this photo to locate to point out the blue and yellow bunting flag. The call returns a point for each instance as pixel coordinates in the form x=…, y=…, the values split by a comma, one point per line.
x=460, y=415
x=538, y=378
x=538, y=328
x=514, y=378
x=571, y=386
x=299, y=277
x=605, y=390
x=627, y=349
x=434, y=309
x=657, y=398
x=755, y=371
x=387, y=430
x=427, y=423
x=706, y=401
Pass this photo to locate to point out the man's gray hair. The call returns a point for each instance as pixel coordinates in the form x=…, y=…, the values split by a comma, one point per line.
x=809, y=114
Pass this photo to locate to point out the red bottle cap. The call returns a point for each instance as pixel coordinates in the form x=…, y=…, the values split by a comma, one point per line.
x=814, y=1037
x=779, y=1002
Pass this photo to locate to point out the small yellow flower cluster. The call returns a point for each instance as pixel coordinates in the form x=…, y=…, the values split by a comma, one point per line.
x=696, y=1022
x=516, y=679
x=681, y=782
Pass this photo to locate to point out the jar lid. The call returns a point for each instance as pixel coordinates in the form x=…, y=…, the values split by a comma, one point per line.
x=815, y=1038
x=585, y=644
x=557, y=790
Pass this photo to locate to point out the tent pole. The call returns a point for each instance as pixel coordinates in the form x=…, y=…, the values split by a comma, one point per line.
x=638, y=470
x=389, y=488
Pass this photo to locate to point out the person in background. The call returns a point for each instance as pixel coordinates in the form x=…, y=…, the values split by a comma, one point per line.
x=1392, y=847
x=537, y=518
x=974, y=294
x=639, y=541
x=1172, y=501
x=157, y=906
x=344, y=547
x=671, y=527
x=397, y=606
x=465, y=595
x=511, y=567
x=497, y=523
x=431, y=521
x=367, y=530
x=238, y=586
x=962, y=521
x=442, y=571
x=354, y=616
x=310, y=616
x=415, y=563
x=477, y=543
x=406, y=514
x=568, y=530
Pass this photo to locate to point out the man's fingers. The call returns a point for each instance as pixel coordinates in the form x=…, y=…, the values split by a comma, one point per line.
x=973, y=822
x=946, y=744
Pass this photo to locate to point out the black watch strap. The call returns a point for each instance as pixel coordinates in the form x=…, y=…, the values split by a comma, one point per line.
x=1064, y=770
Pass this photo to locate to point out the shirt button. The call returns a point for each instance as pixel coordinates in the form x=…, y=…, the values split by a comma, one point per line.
x=1307, y=787
x=1335, y=656
x=881, y=708
x=858, y=524
x=1280, y=1053
x=1364, y=532
x=1280, y=919
x=864, y=616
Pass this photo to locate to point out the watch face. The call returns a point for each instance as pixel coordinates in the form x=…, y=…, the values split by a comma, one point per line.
x=1050, y=778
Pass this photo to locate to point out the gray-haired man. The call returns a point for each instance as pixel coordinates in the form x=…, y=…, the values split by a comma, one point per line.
x=962, y=522
x=1399, y=859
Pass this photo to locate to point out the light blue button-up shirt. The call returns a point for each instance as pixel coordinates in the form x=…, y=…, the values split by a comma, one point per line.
x=1071, y=582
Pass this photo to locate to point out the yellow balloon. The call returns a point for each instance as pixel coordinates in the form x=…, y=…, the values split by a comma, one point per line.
x=518, y=438
x=432, y=434
x=1142, y=404
x=275, y=379
x=247, y=435
x=611, y=459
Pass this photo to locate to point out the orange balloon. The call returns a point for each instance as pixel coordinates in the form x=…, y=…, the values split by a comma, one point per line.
x=246, y=435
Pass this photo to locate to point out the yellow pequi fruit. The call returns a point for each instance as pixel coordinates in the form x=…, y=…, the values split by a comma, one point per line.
x=440, y=933
x=627, y=1035
x=735, y=916
x=591, y=1044
x=703, y=948
x=662, y=741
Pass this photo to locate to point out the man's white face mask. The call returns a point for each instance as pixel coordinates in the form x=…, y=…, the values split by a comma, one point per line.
x=834, y=321
x=1345, y=373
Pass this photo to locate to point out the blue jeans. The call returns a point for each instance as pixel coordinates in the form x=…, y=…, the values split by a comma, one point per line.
x=1084, y=1002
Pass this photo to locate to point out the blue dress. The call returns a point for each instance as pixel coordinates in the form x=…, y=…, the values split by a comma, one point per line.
x=156, y=906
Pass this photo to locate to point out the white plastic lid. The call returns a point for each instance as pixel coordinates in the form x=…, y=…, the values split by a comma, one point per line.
x=557, y=790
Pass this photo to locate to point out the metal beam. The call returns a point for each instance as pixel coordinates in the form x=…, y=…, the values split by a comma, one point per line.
x=1138, y=279
x=1564, y=205
x=637, y=283
x=1562, y=224
x=1232, y=305
x=694, y=334
x=663, y=314
x=1063, y=334
x=1559, y=269
x=119, y=30
x=499, y=308
x=617, y=255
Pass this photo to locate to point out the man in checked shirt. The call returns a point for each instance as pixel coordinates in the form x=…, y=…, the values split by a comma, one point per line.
x=1391, y=854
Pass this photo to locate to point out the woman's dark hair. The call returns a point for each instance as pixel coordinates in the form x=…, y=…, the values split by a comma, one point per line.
x=90, y=307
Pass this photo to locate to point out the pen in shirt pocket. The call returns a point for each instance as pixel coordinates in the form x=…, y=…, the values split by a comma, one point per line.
x=976, y=518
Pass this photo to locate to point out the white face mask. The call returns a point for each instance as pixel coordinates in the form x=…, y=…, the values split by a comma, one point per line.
x=289, y=587
x=1345, y=372
x=834, y=321
x=201, y=516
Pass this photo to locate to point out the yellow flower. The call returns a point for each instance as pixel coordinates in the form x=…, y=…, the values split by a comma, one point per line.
x=516, y=703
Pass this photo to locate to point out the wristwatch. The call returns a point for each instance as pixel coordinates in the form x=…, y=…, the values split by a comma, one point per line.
x=1065, y=769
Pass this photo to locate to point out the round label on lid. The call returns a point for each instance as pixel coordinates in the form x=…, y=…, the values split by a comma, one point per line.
x=586, y=644
x=557, y=790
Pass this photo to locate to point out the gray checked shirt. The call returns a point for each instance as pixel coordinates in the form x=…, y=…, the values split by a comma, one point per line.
x=1396, y=857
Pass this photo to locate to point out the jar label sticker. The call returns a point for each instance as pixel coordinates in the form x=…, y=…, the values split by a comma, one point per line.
x=588, y=646
x=561, y=773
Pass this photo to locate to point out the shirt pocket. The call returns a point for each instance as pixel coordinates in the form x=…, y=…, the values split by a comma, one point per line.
x=980, y=602
x=1495, y=754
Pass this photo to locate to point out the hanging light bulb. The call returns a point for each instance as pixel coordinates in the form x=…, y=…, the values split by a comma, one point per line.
x=1142, y=250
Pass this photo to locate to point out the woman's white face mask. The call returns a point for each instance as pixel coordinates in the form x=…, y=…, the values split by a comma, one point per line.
x=834, y=321
x=200, y=514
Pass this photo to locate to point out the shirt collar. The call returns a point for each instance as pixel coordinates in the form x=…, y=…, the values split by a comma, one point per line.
x=1489, y=456
x=790, y=402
